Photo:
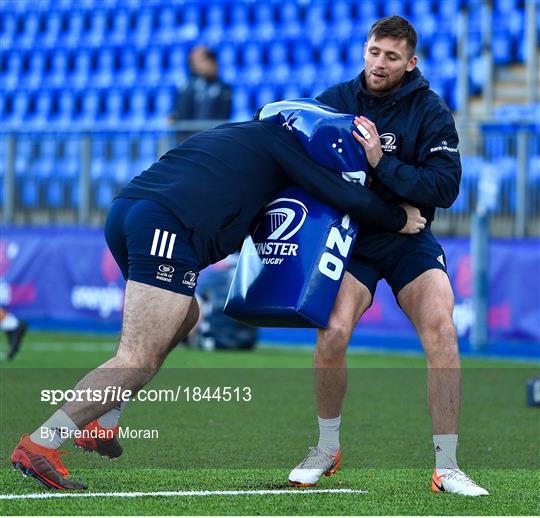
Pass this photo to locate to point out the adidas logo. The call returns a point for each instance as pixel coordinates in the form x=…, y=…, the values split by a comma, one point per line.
x=438, y=448
x=440, y=258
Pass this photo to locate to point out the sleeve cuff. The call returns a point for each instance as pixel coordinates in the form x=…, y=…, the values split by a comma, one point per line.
x=385, y=166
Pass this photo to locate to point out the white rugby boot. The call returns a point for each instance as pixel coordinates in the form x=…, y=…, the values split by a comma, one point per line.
x=312, y=468
x=455, y=481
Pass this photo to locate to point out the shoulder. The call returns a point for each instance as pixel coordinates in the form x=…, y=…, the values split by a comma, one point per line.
x=431, y=104
x=340, y=95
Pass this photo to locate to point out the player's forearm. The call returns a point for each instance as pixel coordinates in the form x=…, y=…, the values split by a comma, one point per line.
x=371, y=210
x=420, y=185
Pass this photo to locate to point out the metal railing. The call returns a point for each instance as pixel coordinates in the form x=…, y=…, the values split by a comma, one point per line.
x=70, y=177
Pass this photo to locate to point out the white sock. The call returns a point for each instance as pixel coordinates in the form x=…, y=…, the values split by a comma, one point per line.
x=110, y=419
x=9, y=323
x=445, y=451
x=53, y=432
x=329, y=434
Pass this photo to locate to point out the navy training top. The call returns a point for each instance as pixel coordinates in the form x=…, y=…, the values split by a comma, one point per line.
x=420, y=162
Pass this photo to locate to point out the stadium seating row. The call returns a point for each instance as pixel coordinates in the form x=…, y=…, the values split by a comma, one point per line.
x=89, y=43
x=138, y=106
x=47, y=171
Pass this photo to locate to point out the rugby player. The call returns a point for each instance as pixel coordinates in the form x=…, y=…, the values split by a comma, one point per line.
x=188, y=210
x=410, y=140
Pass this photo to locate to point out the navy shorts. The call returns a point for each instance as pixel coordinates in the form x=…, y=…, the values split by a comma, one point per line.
x=151, y=245
x=415, y=255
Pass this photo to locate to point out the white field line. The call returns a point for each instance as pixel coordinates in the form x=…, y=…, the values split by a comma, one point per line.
x=72, y=346
x=136, y=494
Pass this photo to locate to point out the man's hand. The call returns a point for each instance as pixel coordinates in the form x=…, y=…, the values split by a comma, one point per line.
x=415, y=222
x=370, y=139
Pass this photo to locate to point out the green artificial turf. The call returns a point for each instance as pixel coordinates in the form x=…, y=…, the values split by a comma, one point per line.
x=252, y=445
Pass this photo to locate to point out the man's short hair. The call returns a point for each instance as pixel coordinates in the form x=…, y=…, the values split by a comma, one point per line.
x=397, y=28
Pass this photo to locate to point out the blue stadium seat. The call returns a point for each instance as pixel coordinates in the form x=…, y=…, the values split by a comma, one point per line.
x=278, y=62
x=177, y=70
x=420, y=8
x=80, y=74
x=53, y=30
x=29, y=35
x=304, y=70
x=214, y=30
x=20, y=108
x=121, y=170
x=292, y=91
x=96, y=35
x=120, y=28
x=289, y=14
x=153, y=66
x=28, y=192
x=58, y=71
x=315, y=27
x=36, y=69
x=13, y=72
x=162, y=102
x=142, y=31
x=90, y=107
x=127, y=73
x=138, y=107
x=341, y=25
x=104, y=190
x=252, y=64
x=104, y=73
x=239, y=27
x=241, y=106
x=264, y=27
x=266, y=94
x=74, y=31
x=147, y=148
x=191, y=22
x=42, y=113
x=114, y=107
x=7, y=30
x=477, y=73
x=166, y=25
x=502, y=47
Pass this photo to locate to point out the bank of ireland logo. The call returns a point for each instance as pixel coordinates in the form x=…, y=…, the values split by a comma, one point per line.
x=282, y=219
x=285, y=218
x=388, y=142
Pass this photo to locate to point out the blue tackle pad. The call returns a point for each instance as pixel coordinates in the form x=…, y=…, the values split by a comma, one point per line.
x=291, y=265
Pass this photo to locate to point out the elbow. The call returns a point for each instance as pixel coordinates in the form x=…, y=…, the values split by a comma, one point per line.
x=447, y=195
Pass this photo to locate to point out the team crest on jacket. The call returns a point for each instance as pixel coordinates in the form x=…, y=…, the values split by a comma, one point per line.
x=388, y=142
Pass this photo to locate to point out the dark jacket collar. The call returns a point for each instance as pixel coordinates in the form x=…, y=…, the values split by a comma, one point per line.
x=412, y=82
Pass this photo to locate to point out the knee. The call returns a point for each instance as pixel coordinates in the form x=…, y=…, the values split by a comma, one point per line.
x=332, y=342
x=439, y=336
x=143, y=367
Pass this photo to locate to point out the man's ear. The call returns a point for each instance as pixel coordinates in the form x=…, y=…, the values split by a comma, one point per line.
x=412, y=63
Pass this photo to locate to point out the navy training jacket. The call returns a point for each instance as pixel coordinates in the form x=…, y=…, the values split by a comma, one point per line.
x=420, y=162
x=218, y=180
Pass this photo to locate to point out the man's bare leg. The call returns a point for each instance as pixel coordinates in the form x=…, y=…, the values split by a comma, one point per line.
x=110, y=419
x=330, y=374
x=429, y=302
x=152, y=317
x=329, y=359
